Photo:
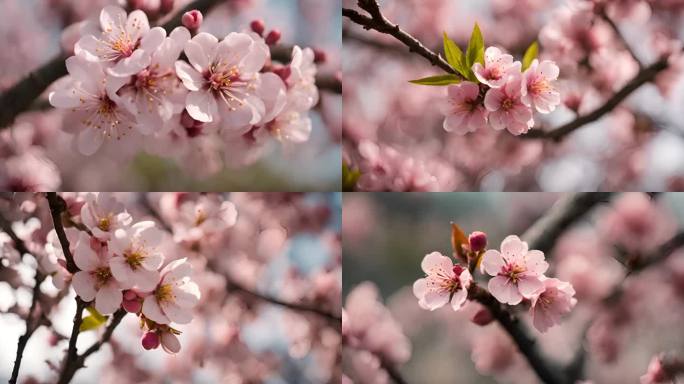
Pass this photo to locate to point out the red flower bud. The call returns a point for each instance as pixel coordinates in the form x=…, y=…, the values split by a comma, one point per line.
x=257, y=26
x=273, y=37
x=482, y=317
x=477, y=241
x=319, y=56
x=192, y=20
x=150, y=340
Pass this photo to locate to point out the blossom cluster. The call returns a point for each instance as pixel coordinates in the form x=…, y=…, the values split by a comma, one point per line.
x=518, y=275
x=505, y=98
x=127, y=86
x=122, y=265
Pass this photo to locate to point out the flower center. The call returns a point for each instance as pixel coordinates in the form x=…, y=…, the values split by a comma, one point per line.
x=494, y=74
x=513, y=271
x=507, y=104
x=164, y=293
x=540, y=86
x=102, y=275
x=227, y=84
x=134, y=258
x=104, y=224
x=200, y=218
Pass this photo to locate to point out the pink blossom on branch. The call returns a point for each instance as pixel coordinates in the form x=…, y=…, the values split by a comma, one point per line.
x=463, y=109
x=550, y=305
x=496, y=69
x=445, y=283
x=506, y=107
x=517, y=271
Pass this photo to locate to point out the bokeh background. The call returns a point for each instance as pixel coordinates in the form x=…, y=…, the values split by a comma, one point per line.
x=386, y=236
x=32, y=28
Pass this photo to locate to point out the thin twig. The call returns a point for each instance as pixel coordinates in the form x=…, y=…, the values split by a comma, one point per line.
x=32, y=320
x=602, y=13
x=32, y=323
x=71, y=357
x=57, y=206
x=546, y=370
x=544, y=233
x=644, y=76
x=233, y=286
x=378, y=22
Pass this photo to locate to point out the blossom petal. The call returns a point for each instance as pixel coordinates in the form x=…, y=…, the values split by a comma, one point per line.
x=192, y=80
x=153, y=261
x=152, y=310
x=111, y=18
x=493, y=99
x=187, y=296
x=153, y=39
x=534, y=262
x=492, y=262
x=108, y=299
x=436, y=299
x=170, y=342
x=131, y=65
x=121, y=271
x=434, y=262
x=530, y=285
x=137, y=25
x=84, y=256
x=202, y=106
x=201, y=50
x=504, y=290
x=176, y=314
x=458, y=299
x=512, y=248
x=84, y=285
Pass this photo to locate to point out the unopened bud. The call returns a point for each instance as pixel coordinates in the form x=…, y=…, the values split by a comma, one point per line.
x=166, y=6
x=477, y=241
x=457, y=269
x=192, y=20
x=283, y=72
x=319, y=56
x=273, y=37
x=132, y=306
x=482, y=317
x=150, y=340
x=257, y=26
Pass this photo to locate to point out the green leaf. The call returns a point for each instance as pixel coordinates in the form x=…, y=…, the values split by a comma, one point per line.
x=93, y=321
x=454, y=56
x=439, y=80
x=94, y=313
x=90, y=323
x=349, y=178
x=475, y=51
x=530, y=55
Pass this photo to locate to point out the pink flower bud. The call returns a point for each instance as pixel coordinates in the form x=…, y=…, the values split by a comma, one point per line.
x=482, y=317
x=192, y=20
x=283, y=72
x=150, y=340
x=273, y=37
x=477, y=241
x=132, y=306
x=166, y=6
x=319, y=56
x=130, y=295
x=257, y=26
x=457, y=269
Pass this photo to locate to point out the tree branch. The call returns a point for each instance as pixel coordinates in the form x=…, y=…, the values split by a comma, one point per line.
x=546, y=370
x=378, y=22
x=74, y=362
x=57, y=206
x=544, y=233
x=644, y=76
x=233, y=286
x=602, y=13
x=20, y=97
x=32, y=320
x=32, y=323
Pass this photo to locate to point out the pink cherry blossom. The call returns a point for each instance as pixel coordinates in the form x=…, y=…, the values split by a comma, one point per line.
x=135, y=256
x=463, y=109
x=103, y=214
x=222, y=78
x=95, y=279
x=506, y=108
x=154, y=94
x=552, y=304
x=444, y=282
x=518, y=271
x=301, y=84
x=94, y=110
x=497, y=67
x=126, y=42
x=537, y=89
x=174, y=296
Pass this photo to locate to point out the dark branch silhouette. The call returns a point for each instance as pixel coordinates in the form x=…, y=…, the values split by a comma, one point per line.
x=544, y=233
